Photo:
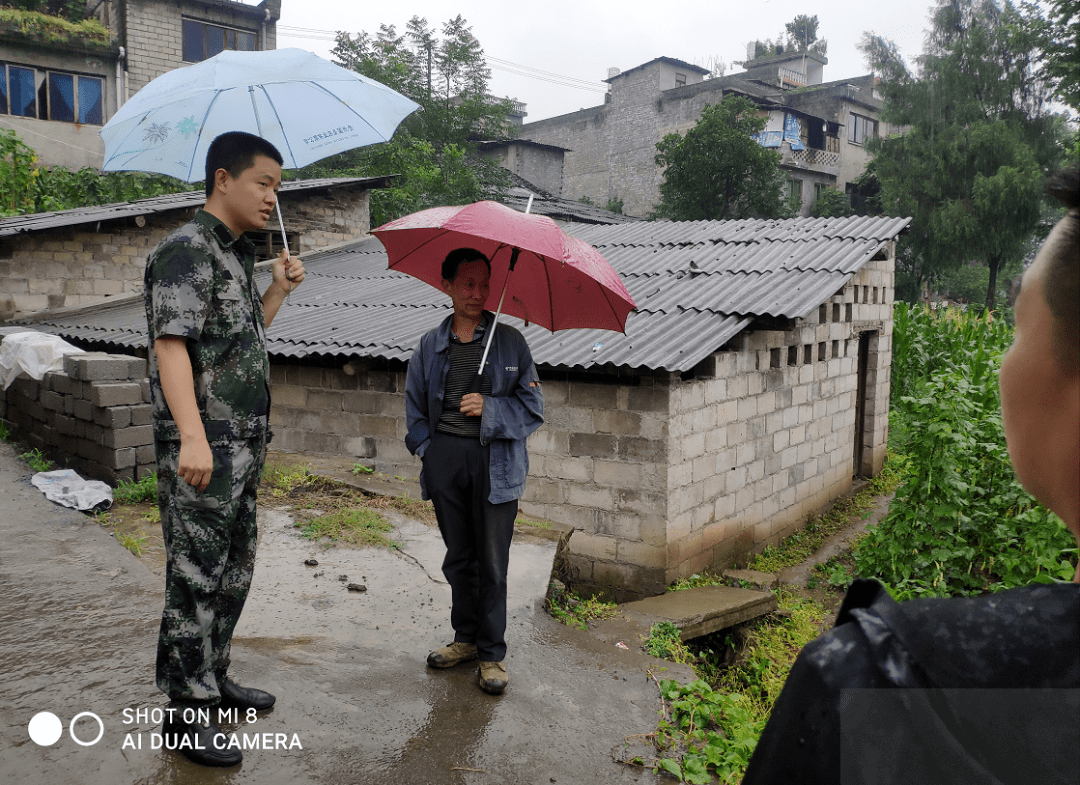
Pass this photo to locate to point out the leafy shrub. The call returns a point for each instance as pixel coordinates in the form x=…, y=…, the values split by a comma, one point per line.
x=962, y=523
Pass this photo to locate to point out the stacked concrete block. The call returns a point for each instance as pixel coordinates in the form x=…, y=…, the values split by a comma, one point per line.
x=94, y=416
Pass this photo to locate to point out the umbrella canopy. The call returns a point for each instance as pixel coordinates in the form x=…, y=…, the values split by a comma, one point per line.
x=558, y=281
x=307, y=107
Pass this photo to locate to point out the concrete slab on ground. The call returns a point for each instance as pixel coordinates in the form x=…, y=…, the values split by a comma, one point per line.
x=695, y=612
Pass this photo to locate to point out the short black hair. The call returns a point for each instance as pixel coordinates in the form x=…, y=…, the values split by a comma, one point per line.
x=235, y=152
x=1061, y=285
x=458, y=257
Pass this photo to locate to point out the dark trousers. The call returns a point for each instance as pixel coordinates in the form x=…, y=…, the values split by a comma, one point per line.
x=477, y=534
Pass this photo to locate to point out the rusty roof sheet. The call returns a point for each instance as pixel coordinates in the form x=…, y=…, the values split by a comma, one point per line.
x=39, y=222
x=697, y=285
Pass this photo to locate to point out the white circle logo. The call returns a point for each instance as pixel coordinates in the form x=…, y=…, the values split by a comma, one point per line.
x=45, y=729
x=101, y=729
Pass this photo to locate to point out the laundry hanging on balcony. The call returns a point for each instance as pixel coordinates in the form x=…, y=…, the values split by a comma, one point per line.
x=782, y=127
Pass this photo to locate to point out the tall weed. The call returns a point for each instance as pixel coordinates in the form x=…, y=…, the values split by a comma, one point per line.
x=962, y=523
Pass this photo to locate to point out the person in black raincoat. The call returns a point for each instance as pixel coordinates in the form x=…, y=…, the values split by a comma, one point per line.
x=991, y=685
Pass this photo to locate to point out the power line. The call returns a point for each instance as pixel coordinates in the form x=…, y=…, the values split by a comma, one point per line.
x=495, y=63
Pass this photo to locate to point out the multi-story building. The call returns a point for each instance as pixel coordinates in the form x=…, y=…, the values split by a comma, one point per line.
x=57, y=88
x=819, y=128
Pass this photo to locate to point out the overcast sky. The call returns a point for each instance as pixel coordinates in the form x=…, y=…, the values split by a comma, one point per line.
x=576, y=42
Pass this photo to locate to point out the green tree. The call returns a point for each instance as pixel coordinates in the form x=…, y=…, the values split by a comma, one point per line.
x=434, y=149
x=718, y=170
x=1059, y=34
x=802, y=35
x=980, y=138
x=831, y=203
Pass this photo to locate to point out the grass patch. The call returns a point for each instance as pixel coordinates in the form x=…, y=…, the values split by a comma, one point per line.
x=665, y=642
x=536, y=523
x=133, y=541
x=406, y=505
x=802, y=544
x=37, y=461
x=282, y=479
x=709, y=727
x=5, y=432
x=571, y=610
x=129, y=492
x=354, y=526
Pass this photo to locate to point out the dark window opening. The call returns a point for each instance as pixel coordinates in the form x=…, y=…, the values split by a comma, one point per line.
x=793, y=355
x=847, y=312
x=822, y=314
x=835, y=349
x=202, y=40
x=821, y=351
x=774, y=358
x=808, y=354
x=836, y=312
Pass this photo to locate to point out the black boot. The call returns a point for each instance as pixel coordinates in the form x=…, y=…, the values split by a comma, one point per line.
x=201, y=743
x=233, y=696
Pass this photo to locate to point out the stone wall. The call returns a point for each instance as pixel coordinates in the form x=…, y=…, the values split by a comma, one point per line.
x=88, y=263
x=94, y=417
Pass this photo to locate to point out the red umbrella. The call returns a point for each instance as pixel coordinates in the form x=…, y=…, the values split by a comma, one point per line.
x=558, y=281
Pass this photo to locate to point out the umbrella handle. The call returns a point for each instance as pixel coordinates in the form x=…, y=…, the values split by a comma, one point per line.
x=285, y=242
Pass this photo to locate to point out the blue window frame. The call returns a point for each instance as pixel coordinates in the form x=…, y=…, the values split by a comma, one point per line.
x=22, y=95
x=51, y=95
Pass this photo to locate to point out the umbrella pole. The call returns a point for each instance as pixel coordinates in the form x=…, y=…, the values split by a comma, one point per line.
x=277, y=204
x=475, y=386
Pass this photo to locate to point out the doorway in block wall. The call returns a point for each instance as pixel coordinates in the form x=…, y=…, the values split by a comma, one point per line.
x=861, y=463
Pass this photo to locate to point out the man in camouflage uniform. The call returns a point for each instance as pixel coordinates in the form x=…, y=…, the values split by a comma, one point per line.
x=209, y=378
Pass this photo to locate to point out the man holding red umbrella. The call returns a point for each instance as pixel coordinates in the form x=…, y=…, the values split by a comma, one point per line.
x=472, y=445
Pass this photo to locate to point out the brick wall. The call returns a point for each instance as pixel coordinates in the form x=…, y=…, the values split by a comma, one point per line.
x=94, y=416
x=87, y=264
x=154, y=34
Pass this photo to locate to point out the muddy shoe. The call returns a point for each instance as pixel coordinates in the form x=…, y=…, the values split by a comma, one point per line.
x=201, y=743
x=449, y=656
x=493, y=677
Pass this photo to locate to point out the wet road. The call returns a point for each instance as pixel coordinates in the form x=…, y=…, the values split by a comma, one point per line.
x=356, y=703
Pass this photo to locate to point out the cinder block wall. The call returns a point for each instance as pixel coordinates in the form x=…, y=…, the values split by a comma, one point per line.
x=94, y=417
x=79, y=265
x=765, y=435
x=89, y=263
x=358, y=412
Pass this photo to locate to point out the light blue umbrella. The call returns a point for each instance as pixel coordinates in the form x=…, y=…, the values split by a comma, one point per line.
x=307, y=107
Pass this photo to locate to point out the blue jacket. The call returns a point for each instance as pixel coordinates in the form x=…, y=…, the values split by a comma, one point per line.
x=514, y=409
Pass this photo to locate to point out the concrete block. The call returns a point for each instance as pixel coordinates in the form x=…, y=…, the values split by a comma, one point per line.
x=116, y=394
x=596, y=445
x=134, y=436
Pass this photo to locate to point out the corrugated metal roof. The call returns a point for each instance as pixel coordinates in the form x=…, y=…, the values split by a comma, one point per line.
x=696, y=285
x=38, y=222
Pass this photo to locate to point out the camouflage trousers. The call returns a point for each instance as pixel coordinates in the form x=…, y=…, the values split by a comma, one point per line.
x=210, y=541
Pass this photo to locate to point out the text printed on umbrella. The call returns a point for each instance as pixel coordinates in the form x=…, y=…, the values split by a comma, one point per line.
x=328, y=134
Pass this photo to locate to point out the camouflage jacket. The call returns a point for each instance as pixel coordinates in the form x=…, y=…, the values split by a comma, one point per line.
x=199, y=286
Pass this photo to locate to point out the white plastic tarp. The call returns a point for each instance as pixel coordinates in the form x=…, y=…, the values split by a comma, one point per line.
x=66, y=487
x=32, y=353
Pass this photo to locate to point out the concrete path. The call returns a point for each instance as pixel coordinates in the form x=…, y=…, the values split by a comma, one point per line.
x=356, y=703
